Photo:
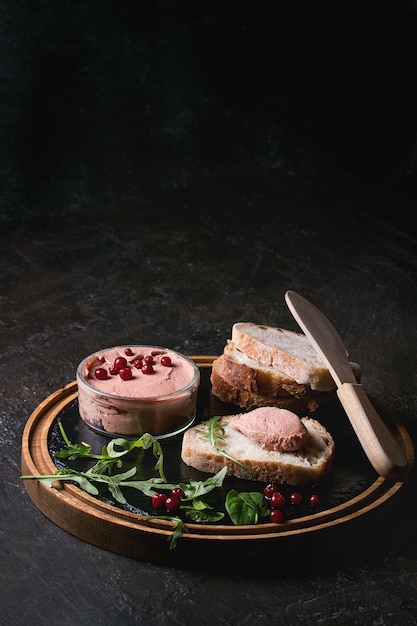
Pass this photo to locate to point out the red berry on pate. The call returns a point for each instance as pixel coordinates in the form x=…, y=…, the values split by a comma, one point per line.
x=101, y=373
x=120, y=362
x=126, y=373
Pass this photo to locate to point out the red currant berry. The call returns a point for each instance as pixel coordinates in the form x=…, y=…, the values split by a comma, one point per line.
x=113, y=370
x=101, y=373
x=166, y=361
x=149, y=359
x=177, y=492
x=270, y=489
x=158, y=500
x=138, y=363
x=314, y=499
x=296, y=498
x=276, y=516
x=172, y=504
x=120, y=362
x=126, y=373
x=147, y=368
x=278, y=501
x=128, y=352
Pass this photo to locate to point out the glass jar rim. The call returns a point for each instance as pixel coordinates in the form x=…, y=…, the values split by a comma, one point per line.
x=81, y=378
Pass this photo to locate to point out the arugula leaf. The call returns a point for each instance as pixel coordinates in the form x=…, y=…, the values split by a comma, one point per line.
x=114, y=482
x=201, y=512
x=177, y=534
x=195, y=488
x=66, y=475
x=179, y=528
x=111, y=456
x=74, y=450
x=216, y=432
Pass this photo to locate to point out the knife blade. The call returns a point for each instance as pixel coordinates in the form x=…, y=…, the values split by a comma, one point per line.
x=382, y=449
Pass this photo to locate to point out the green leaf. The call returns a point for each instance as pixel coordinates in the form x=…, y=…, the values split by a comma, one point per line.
x=116, y=492
x=195, y=489
x=199, y=504
x=73, y=450
x=146, y=441
x=112, y=453
x=148, y=487
x=256, y=500
x=245, y=507
x=200, y=511
x=66, y=475
x=106, y=466
x=178, y=532
x=203, y=516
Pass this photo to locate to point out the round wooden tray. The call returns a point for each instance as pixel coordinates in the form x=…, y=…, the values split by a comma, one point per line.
x=125, y=532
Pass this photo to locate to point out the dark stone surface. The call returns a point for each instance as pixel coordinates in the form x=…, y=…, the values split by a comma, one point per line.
x=160, y=181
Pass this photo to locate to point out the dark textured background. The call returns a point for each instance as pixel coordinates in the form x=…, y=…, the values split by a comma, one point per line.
x=103, y=101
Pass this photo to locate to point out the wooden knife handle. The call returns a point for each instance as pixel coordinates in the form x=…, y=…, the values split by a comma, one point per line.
x=380, y=446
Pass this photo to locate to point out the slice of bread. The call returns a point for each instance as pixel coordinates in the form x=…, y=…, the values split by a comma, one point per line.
x=310, y=464
x=246, y=373
x=289, y=352
x=226, y=390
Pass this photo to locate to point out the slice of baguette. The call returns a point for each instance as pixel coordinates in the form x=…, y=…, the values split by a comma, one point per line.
x=310, y=464
x=245, y=373
x=287, y=351
x=228, y=392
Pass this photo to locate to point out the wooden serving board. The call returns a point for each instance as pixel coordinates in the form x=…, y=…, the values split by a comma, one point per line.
x=123, y=531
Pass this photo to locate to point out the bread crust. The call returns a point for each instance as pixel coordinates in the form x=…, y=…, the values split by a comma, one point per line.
x=225, y=389
x=311, y=464
x=246, y=373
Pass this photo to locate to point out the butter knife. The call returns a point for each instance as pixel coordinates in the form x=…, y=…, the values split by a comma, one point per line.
x=378, y=443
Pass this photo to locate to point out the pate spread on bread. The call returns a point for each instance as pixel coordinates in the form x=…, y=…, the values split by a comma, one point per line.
x=247, y=458
x=274, y=429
